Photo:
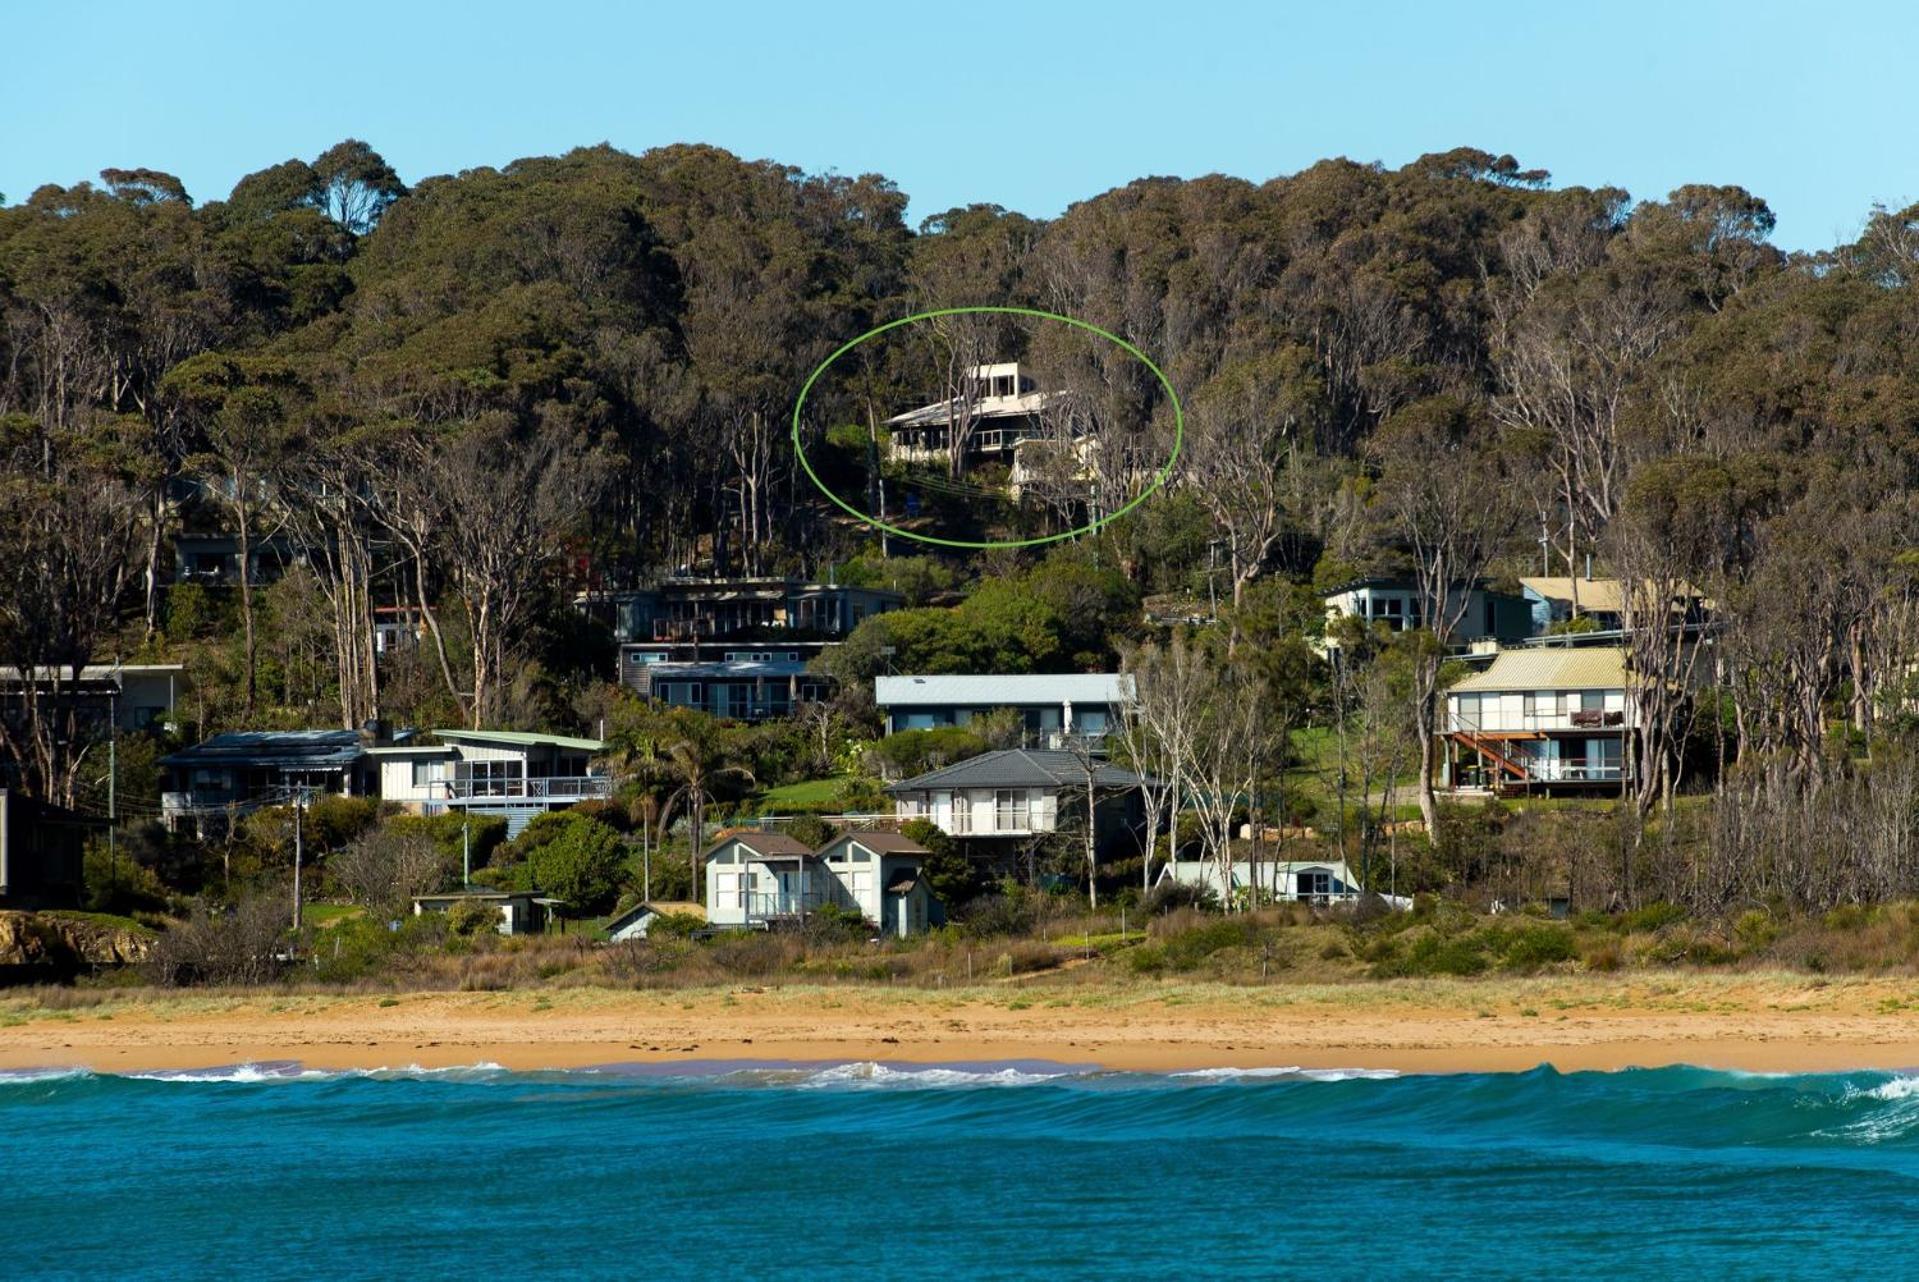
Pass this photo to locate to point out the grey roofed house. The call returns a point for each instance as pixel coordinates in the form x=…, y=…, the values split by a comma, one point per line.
x=1019, y=768
x=1021, y=793
x=241, y=769
x=279, y=749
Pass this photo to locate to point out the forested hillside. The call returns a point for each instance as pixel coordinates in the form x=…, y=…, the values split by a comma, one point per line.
x=477, y=394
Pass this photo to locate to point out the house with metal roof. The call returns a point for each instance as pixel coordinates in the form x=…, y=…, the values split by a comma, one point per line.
x=132, y=696
x=516, y=775
x=1001, y=800
x=239, y=771
x=1603, y=601
x=1551, y=718
x=1054, y=708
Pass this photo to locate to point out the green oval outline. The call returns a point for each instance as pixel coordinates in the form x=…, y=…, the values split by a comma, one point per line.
x=1165, y=471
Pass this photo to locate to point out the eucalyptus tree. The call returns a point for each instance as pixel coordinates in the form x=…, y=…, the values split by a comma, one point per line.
x=1442, y=496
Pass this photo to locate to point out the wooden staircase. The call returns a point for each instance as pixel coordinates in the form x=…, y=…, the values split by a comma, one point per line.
x=1499, y=759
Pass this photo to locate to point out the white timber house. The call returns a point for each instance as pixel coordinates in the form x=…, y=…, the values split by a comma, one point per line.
x=757, y=880
x=1547, y=718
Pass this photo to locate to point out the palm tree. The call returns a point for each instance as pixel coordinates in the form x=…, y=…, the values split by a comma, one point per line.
x=696, y=761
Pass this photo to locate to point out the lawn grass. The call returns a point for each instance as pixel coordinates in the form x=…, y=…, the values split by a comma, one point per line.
x=329, y=914
x=112, y=921
x=808, y=792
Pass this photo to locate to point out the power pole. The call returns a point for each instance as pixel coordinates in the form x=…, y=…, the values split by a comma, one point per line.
x=466, y=852
x=113, y=800
x=299, y=850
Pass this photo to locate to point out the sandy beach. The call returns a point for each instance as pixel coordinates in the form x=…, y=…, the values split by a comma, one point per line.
x=1751, y=1022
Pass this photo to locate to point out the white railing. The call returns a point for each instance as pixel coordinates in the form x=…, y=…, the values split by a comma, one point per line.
x=547, y=788
x=1526, y=722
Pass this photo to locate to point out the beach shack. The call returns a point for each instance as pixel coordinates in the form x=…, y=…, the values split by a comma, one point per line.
x=522, y=912
x=633, y=923
x=756, y=880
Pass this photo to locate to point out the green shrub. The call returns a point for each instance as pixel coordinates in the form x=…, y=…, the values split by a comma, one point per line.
x=573, y=857
x=1186, y=949
x=810, y=830
x=1651, y=917
x=912, y=752
x=333, y=820
x=470, y=917
x=1436, y=954
x=1147, y=959
x=1530, y=947
x=1756, y=929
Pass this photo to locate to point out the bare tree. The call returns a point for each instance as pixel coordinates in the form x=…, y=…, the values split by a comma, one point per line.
x=1247, y=430
x=385, y=867
x=67, y=557
x=1158, y=727
x=1443, y=498
x=506, y=503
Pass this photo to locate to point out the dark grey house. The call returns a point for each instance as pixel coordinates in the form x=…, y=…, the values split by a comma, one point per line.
x=242, y=770
x=42, y=850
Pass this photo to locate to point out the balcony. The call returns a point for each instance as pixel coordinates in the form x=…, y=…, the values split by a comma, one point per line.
x=551, y=790
x=1535, y=722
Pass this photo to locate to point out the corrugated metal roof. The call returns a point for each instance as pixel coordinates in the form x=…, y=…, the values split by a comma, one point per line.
x=281, y=749
x=1018, y=768
x=1002, y=690
x=1594, y=594
x=1570, y=668
x=521, y=739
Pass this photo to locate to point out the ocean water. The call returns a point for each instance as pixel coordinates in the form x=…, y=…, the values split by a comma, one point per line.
x=982, y=1171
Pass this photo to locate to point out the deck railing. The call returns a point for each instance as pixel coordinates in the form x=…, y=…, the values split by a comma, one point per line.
x=567, y=788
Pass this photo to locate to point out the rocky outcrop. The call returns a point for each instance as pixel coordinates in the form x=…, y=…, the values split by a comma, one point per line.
x=48, y=945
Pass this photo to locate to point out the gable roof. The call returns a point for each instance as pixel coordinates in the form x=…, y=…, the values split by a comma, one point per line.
x=882, y=843
x=762, y=843
x=273, y=749
x=1019, y=768
x=631, y=915
x=520, y=739
x=1554, y=668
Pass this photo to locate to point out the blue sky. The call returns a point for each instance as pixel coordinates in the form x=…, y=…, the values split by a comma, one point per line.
x=1030, y=105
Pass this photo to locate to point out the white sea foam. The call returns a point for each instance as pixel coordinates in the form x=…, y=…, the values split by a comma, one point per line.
x=868, y=1073
x=1899, y=1088
x=25, y=1076
x=249, y=1072
x=1293, y=1073
x=292, y=1071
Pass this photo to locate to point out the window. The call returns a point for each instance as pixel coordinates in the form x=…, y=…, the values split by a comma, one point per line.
x=1592, y=700
x=1010, y=809
x=422, y=773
